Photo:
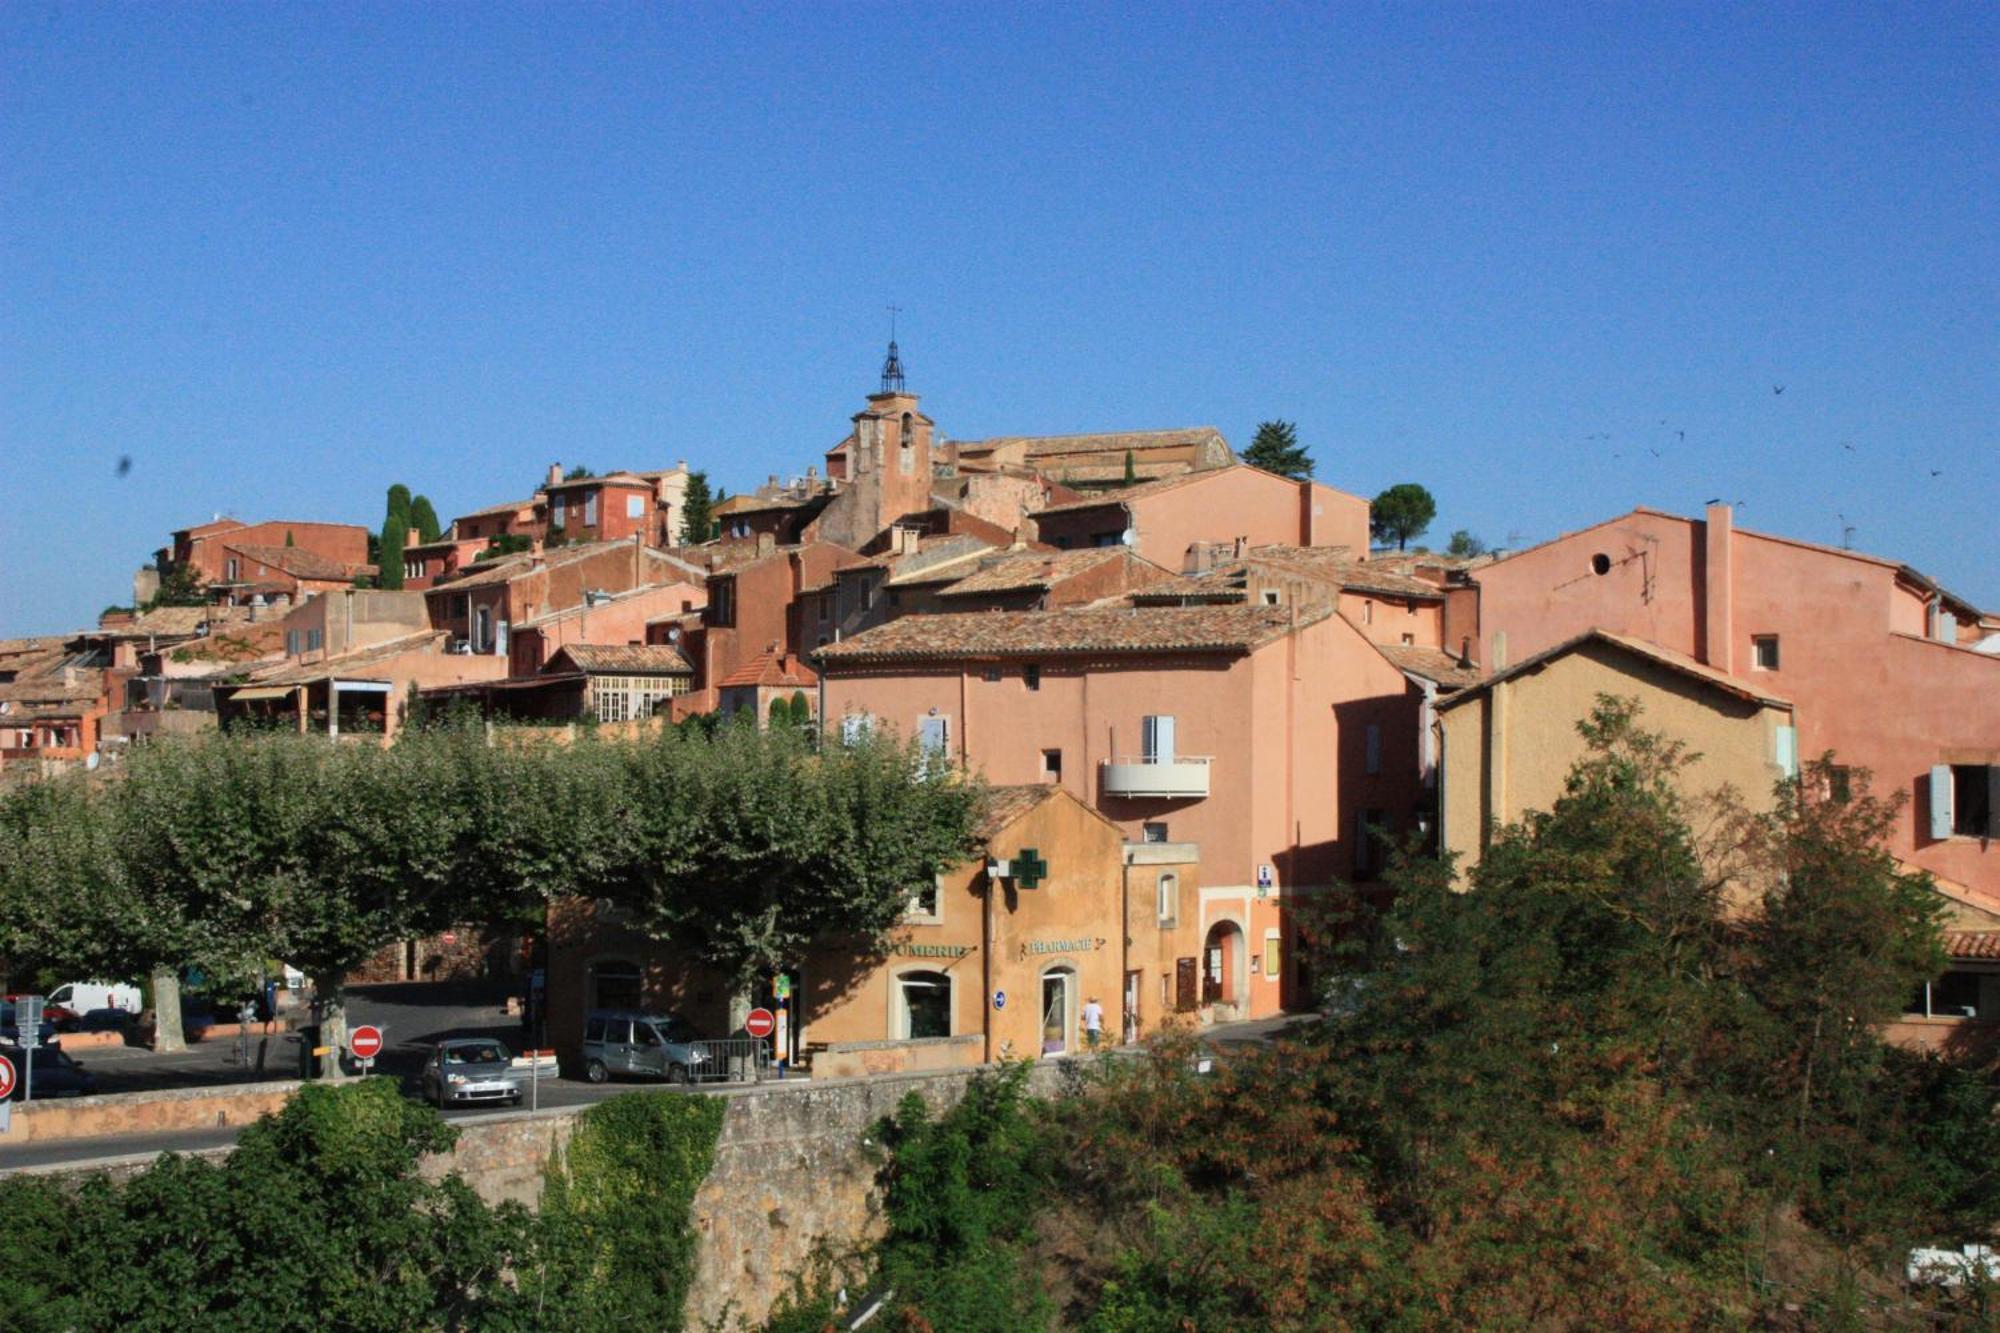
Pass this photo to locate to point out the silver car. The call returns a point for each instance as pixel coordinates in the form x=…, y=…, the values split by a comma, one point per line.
x=630, y=1045
x=471, y=1069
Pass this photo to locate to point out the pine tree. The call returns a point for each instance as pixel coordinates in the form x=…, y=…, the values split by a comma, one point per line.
x=1276, y=448
x=1403, y=511
x=289, y=539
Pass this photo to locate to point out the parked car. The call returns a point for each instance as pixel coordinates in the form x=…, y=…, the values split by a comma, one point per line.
x=81, y=997
x=471, y=1069
x=10, y=1030
x=629, y=1045
x=55, y=1073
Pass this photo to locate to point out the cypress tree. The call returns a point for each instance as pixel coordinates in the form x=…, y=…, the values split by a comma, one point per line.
x=395, y=531
x=425, y=520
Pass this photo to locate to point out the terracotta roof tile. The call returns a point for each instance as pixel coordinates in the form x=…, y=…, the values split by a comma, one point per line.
x=1127, y=493
x=296, y=561
x=1665, y=657
x=1051, y=446
x=1972, y=944
x=599, y=658
x=1028, y=570
x=773, y=668
x=988, y=634
x=342, y=664
x=1432, y=664
x=511, y=507
x=1004, y=805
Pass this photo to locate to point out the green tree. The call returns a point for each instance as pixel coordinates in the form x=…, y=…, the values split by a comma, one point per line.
x=578, y=473
x=696, y=519
x=395, y=533
x=423, y=517
x=289, y=539
x=1403, y=511
x=1464, y=545
x=1276, y=448
x=179, y=586
x=748, y=848
x=1131, y=468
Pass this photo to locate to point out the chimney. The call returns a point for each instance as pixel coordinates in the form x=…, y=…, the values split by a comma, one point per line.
x=1306, y=536
x=1242, y=545
x=906, y=541
x=555, y=473
x=413, y=538
x=1718, y=589
x=535, y=548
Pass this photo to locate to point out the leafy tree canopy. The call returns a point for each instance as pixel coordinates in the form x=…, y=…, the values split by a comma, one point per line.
x=1464, y=545
x=1400, y=513
x=696, y=512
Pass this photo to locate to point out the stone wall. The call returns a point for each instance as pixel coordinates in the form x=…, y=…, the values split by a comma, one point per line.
x=793, y=1170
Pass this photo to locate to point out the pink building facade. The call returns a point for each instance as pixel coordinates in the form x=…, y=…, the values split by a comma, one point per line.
x=1271, y=750
x=1877, y=658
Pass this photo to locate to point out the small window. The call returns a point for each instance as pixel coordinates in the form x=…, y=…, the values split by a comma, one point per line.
x=1409, y=640
x=1368, y=613
x=934, y=736
x=856, y=728
x=1052, y=765
x=990, y=675
x=1839, y=784
x=1270, y=596
x=614, y=985
x=924, y=901
x=1155, y=832
x=1764, y=652
x=229, y=571
x=1973, y=789
x=825, y=611
x=1169, y=904
x=1031, y=676
x=635, y=506
x=1600, y=564
x=590, y=510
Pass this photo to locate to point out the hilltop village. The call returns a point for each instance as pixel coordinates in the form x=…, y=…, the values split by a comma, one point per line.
x=1199, y=693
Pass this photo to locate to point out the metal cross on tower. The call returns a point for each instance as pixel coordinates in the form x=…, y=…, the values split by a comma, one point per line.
x=892, y=367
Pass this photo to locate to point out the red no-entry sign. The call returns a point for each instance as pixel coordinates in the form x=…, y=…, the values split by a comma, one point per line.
x=6, y=1078
x=366, y=1042
x=761, y=1023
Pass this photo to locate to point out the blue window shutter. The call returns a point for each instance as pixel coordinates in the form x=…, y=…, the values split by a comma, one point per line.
x=1940, y=800
x=1788, y=751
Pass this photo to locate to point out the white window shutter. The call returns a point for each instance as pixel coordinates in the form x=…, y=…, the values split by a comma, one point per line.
x=1940, y=800
x=1788, y=751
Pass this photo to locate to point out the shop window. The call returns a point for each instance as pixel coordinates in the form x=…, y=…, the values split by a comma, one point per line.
x=1764, y=652
x=924, y=1000
x=615, y=984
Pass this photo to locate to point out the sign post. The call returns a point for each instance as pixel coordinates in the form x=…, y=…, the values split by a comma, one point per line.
x=28, y=1031
x=364, y=1044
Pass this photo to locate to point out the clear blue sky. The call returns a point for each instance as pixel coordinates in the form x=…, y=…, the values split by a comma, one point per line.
x=282, y=256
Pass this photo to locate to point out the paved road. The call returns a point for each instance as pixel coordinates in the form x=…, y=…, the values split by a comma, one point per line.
x=412, y=1017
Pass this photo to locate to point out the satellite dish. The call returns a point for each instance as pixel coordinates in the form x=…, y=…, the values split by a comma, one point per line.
x=1129, y=537
x=93, y=761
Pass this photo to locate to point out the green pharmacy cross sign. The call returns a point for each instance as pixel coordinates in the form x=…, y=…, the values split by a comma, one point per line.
x=1029, y=868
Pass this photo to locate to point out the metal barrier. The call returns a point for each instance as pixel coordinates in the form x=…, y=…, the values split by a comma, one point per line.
x=731, y=1060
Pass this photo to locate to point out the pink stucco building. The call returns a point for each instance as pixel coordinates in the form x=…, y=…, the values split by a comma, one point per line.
x=1878, y=659
x=1262, y=752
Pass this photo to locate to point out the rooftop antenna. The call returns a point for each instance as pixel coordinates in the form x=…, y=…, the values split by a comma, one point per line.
x=892, y=367
x=1846, y=533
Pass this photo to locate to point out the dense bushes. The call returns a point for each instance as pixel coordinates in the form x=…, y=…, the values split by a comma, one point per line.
x=1628, y=1076
x=321, y=1219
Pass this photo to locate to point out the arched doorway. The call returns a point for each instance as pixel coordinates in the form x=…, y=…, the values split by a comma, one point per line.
x=1222, y=969
x=1058, y=994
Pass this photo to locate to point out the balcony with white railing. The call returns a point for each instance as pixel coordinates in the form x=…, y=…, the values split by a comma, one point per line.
x=1154, y=776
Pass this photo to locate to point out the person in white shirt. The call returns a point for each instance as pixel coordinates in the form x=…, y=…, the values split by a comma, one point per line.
x=1093, y=1022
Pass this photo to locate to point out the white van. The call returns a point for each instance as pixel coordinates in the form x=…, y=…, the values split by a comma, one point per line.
x=83, y=997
